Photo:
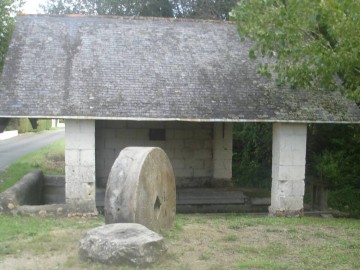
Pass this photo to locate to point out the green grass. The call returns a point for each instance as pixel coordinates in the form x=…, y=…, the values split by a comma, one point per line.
x=285, y=243
x=28, y=233
x=231, y=237
x=262, y=263
x=20, y=227
x=198, y=242
x=49, y=159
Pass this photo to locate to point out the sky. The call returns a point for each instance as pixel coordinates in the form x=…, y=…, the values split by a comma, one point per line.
x=32, y=6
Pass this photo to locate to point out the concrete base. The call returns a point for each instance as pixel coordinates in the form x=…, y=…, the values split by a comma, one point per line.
x=286, y=213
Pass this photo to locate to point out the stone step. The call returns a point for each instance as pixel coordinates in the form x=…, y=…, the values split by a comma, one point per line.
x=189, y=200
x=209, y=200
x=218, y=200
x=210, y=196
x=216, y=208
x=197, y=196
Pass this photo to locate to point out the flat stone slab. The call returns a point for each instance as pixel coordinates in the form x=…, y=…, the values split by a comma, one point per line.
x=141, y=189
x=122, y=244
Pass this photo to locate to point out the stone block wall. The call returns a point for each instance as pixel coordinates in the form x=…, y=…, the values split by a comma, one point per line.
x=189, y=145
x=80, y=164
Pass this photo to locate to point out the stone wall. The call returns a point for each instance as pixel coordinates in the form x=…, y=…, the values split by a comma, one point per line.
x=27, y=191
x=189, y=145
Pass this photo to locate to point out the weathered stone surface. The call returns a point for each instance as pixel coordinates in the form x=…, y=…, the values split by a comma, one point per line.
x=141, y=189
x=122, y=244
x=27, y=197
x=288, y=169
x=28, y=191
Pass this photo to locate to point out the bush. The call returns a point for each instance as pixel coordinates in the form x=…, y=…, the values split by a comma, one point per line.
x=252, y=155
x=333, y=159
x=346, y=199
x=23, y=125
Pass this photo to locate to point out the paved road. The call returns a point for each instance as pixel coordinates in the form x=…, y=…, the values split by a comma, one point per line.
x=21, y=145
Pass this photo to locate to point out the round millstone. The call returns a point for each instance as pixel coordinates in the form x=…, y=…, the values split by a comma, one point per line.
x=141, y=189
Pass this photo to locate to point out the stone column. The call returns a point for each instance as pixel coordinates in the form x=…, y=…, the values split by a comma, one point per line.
x=288, y=169
x=222, y=150
x=80, y=165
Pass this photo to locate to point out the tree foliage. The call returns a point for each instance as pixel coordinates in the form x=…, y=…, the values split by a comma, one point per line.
x=315, y=42
x=157, y=8
x=154, y=8
x=252, y=154
x=8, y=9
x=333, y=156
x=200, y=9
x=203, y=9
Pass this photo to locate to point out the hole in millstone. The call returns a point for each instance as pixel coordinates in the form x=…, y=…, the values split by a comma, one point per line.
x=157, y=206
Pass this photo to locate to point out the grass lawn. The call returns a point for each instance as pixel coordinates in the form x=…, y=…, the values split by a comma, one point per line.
x=50, y=159
x=197, y=242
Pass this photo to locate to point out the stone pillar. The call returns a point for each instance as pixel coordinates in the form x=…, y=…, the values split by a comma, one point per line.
x=80, y=165
x=288, y=169
x=222, y=150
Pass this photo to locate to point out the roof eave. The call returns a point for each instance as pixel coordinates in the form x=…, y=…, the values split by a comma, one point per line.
x=186, y=119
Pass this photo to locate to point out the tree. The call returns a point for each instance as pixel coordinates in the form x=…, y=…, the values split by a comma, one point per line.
x=199, y=9
x=315, y=42
x=155, y=8
x=203, y=9
x=333, y=155
x=8, y=10
x=252, y=154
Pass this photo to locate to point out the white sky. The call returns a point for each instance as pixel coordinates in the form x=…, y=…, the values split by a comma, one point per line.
x=32, y=6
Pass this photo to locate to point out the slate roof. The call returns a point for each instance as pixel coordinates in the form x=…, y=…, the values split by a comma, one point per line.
x=145, y=68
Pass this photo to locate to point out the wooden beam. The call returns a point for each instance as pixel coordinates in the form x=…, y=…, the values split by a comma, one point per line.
x=33, y=122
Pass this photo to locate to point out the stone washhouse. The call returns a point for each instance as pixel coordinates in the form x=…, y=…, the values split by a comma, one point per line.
x=173, y=83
